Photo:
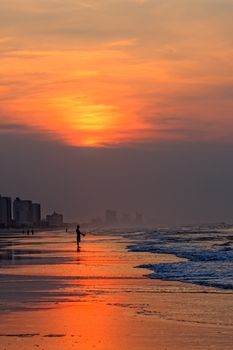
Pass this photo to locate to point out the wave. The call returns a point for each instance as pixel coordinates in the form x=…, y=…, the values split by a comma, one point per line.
x=208, y=256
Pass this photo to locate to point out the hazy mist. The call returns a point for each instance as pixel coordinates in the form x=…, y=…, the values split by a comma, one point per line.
x=170, y=183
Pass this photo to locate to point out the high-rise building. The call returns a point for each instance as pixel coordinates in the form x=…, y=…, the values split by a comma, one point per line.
x=5, y=211
x=125, y=220
x=22, y=211
x=111, y=217
x=36, y=214
x=26, y=213
x=54, y=220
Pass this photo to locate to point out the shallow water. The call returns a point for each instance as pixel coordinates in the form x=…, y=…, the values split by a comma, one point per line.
x=53, y=297
x=207, y=254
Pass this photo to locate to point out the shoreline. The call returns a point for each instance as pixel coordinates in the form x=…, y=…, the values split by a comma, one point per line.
x=99, y=287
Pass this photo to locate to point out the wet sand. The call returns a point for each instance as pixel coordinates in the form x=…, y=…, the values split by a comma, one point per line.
x=53, y=297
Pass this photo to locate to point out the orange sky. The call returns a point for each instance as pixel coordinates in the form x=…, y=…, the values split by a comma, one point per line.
x=111, y=72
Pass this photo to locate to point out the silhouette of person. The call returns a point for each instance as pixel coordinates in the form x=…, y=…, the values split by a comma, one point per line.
x=79, y=234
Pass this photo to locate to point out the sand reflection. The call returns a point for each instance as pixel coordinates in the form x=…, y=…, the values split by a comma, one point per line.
x=53, y=297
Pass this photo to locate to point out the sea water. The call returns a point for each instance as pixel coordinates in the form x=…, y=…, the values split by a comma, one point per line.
x=207, y=254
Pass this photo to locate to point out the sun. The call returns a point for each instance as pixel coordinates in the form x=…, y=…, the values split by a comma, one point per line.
x=86, y=122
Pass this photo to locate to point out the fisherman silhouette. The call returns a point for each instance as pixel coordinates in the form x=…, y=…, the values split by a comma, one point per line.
x=79, y=233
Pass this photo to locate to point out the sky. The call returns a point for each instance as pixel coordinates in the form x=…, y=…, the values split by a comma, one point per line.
x=122, y=104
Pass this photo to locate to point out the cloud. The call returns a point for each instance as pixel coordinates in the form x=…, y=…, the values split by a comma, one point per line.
x=12, y=127
x=144, y=60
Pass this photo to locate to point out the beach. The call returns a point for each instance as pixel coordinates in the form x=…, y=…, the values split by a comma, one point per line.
x=53, y=297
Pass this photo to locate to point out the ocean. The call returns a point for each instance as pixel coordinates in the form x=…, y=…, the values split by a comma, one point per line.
x=207, y=254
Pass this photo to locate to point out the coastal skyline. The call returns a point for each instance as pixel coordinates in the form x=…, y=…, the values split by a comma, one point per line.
x=24, y=213
x=119, y=104
x=21, y=213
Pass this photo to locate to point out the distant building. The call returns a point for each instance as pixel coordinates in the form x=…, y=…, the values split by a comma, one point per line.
x=125, y=220
x=111, y=217
x=96, y=222
x=36, y=214
x=54, y=220
x=5, y=211
x=22, y=212
x=26, y=213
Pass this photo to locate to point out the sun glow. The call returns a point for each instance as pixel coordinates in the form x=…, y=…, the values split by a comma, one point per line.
x=86, y=122
x=90, y=77
x=85, y=115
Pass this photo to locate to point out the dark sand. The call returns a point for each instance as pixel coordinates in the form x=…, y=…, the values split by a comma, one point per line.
x=53, y=297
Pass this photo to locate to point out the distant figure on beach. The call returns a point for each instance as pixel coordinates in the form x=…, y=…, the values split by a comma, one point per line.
x=79, y=233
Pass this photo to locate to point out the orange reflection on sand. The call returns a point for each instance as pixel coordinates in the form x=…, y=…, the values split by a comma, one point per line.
x=97, y=300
